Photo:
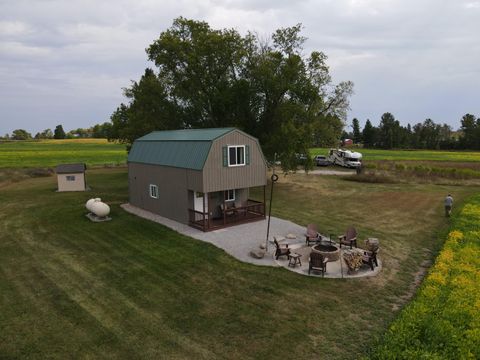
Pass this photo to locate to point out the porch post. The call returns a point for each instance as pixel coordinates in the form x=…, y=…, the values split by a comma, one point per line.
x=204, y=220
x=224, y=209
x=208, y=206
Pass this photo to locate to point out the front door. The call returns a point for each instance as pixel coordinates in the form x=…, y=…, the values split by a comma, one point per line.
x=198, y=202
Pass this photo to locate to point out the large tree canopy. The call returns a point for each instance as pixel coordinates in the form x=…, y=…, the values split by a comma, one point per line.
x=217, y=78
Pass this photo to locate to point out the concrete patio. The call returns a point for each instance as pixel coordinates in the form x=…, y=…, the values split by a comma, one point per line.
x=238, y=241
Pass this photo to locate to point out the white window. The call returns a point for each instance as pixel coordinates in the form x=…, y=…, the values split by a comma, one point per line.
x=70, y=177
x=236, y=155
x=230, y=195
x=154, y=191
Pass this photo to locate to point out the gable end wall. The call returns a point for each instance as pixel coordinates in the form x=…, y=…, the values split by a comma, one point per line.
x=217, y=177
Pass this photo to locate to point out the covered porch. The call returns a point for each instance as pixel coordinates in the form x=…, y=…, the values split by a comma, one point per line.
x=219, y=209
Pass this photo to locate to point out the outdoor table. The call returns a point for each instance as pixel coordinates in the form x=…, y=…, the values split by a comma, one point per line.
x=294, y=259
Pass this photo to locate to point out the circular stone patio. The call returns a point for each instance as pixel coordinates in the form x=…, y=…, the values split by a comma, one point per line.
x=240, y=240
x=335, y=269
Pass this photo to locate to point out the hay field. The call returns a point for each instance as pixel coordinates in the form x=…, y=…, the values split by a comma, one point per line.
x=49, y=153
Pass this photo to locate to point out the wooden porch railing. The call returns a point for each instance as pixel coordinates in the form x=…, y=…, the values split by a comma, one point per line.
x=254, y=210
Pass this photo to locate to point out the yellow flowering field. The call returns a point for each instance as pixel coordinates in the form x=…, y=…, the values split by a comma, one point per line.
x=443, y=321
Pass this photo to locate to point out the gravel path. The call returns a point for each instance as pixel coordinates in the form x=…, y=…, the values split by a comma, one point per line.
x=328, y=172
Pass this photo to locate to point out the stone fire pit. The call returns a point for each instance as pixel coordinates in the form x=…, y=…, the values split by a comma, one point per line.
x=329, y=251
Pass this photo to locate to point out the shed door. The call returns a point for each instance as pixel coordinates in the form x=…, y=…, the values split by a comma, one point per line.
x=198, y=201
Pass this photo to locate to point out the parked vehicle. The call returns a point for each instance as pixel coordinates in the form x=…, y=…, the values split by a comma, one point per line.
x=301, y=158
x=321, y=160
x=345, y=158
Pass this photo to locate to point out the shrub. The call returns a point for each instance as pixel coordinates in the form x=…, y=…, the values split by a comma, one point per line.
x=370, y=177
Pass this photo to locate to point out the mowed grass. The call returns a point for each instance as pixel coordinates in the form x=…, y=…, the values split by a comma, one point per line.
x=49, y=153
x=131, y=288
x=412, y=155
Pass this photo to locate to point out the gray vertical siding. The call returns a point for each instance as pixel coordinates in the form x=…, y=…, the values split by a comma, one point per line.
x=173, y=183
x=216, y=177
x=216, y=198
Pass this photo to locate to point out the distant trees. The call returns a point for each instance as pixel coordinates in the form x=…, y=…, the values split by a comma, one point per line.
x=45, y=134
x=368, y=135
x=426, y=135
x=102, y=131
x=21, y=134
x=470, y=128
x=59, y=133
x=357, y=135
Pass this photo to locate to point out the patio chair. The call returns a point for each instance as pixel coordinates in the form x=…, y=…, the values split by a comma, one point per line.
x=349, y=238
x=317, y=263
x=228, y=211
x=281, y=251
x=312, y=234
x=241, y=207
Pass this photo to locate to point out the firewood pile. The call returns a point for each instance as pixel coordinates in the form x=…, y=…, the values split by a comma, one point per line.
x=353, y=259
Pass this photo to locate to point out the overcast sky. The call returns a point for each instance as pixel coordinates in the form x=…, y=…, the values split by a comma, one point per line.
x=66, y=62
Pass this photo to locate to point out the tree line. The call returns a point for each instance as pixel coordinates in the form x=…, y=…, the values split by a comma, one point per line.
x=389, y=134
x=98, y=131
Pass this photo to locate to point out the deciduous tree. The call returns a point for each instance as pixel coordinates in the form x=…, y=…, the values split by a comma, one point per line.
x=21, y=134
x=216, y=78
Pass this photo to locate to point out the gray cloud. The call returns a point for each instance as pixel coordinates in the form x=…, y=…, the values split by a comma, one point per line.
x=67, y=61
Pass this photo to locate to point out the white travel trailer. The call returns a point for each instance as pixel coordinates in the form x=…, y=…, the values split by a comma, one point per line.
x=345, y=158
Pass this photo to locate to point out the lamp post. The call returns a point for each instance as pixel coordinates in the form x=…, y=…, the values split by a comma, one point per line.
x=274, y=179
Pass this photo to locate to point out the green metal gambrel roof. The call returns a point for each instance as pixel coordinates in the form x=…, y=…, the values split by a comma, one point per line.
x=177, y=148
x=186, y=135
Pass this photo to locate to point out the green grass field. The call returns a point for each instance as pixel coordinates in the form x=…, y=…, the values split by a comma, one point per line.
x=131, y=288
x=49, y=153
x=410, y=155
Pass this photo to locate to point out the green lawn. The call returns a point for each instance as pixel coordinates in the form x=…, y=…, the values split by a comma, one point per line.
x=416, y=155
x=49, y=153
x=131, y=288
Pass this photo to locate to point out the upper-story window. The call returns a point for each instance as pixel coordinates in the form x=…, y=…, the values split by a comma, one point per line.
x=236, y=155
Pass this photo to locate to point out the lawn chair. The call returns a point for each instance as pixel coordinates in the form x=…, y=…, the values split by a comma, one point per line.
x=241, y=207
x=349, y=238
x=312, y=234
x=317, y=263
x=228, y=210
x=281, y=251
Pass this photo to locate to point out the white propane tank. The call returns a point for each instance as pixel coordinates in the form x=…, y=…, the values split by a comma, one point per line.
x=100, y=209
x=89, y=204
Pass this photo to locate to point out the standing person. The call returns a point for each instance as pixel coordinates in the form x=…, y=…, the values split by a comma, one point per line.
x=448, y=205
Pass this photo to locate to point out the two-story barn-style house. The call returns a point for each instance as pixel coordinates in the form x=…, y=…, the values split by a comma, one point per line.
x=199, y=177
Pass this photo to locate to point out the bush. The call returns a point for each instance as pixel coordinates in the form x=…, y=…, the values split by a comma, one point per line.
x=370, y=177
x=443, y=321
